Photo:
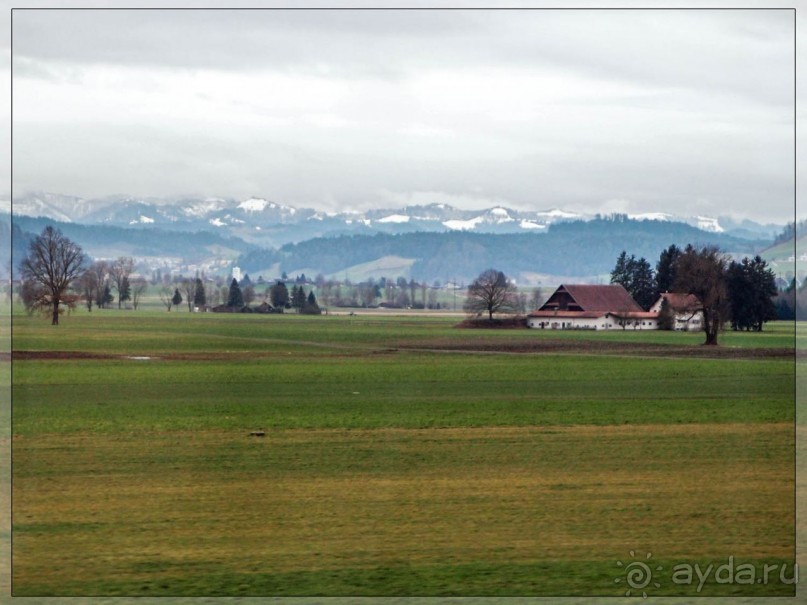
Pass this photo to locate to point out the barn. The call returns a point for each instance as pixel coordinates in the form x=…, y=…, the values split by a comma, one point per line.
x=592, y=307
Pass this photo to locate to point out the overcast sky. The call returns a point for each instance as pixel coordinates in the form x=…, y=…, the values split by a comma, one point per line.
x=689, y=112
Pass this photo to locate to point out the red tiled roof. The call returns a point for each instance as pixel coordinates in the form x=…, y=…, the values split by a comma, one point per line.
x=682, y=302
x=601, y=298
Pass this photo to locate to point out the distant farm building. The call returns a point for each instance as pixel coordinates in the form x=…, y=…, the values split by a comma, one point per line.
x=686, y=310
x=587, y=307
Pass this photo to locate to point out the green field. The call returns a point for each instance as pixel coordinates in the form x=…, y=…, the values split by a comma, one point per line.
x=402, y=456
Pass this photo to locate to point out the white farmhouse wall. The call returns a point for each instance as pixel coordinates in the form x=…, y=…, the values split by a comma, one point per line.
x=604, y=322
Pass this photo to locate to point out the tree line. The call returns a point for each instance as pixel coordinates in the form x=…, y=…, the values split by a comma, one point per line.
x=740, y=293
x=737, y=292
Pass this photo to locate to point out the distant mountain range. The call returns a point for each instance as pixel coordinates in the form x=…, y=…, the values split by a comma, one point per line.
x=272, y=224
x=428, y=242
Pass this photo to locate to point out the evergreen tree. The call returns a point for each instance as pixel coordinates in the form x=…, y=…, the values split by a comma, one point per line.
x=665, y=269
x=643, y=284
x=636, y=276
x=297, y=298
x=199, y=295
x=279, y=296
x=125, y=290
x=177, y=300
x=107, y=298
x=235, y=298
x=311, y=307
x=763, y=281
x=785, y=302
x=752, y=287
x=622, y=270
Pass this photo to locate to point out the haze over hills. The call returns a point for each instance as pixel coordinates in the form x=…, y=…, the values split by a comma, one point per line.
x=428, y=243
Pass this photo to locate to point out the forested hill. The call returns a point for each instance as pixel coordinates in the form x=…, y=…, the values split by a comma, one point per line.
x=580, y=248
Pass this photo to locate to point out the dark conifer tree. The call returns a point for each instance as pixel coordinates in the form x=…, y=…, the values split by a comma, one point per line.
x=107, y=298
x=235, y=297
x=752, y=288
x=665, y=269
x=279, y=296
x=297, y=298
x=311, y=307
x=177, y=300
x=622, y=270
x=125, y=290
x=199, y=296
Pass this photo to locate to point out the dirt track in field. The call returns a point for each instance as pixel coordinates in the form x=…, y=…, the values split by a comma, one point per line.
x=458, y=345
x=605, y=348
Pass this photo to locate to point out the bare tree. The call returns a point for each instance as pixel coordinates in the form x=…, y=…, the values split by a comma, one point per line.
x=139, y=286
x=119, y=272
x=88, y=286
x=53, y=262
x=536, y=299
x=493, y=292
x=167, y=297
x=703, y=273
x=432, y=298
x=32, y=295
x=189, y=289
x=249, y=295
x=100, y=271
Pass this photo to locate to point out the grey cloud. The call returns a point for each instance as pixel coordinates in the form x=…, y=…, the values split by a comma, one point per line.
x=703, y=115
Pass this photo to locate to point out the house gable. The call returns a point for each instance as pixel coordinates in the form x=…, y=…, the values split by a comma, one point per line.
x=590, y=298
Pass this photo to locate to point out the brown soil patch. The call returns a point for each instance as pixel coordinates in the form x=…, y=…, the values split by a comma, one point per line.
x=604, y=348
x=27, y=355
x=506, y=323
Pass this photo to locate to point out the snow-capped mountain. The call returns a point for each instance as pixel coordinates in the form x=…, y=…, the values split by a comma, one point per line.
x=270, y=223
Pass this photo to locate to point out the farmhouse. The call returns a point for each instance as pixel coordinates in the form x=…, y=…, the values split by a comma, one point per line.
x=686, y=310
x=587, y=307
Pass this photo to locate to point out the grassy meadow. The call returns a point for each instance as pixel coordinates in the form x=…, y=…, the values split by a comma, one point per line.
x=402, y=456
